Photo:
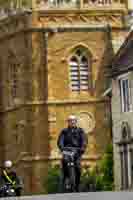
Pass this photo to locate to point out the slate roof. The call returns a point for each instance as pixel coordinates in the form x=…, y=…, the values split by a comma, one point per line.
x=123, y=60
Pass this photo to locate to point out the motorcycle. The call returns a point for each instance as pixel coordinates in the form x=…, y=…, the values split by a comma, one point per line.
x=69, y=156
x=7, y=190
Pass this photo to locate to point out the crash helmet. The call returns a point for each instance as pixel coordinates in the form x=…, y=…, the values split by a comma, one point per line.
x=8, y=164
x=72, y=117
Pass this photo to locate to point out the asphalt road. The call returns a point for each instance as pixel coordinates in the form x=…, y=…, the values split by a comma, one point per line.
x=80, y=196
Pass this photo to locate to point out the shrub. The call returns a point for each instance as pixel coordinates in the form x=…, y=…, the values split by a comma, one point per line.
x=51, y=184
x=106, y=169
x=101, y=177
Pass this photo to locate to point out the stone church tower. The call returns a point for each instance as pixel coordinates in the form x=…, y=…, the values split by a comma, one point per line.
x=53, y=61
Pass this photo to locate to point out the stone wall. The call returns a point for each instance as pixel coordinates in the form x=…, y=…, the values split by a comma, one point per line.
x=118, y=118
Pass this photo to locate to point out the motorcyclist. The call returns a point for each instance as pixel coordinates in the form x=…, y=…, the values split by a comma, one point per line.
x=9, y=176
x=72, y=136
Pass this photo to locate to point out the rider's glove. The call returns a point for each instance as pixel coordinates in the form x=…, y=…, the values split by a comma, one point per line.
x=82, y=150
x=61, y=149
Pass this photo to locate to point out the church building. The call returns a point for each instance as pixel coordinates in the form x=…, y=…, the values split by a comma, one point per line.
x=54, y=55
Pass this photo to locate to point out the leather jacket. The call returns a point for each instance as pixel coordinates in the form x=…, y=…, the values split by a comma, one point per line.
x=72, y=137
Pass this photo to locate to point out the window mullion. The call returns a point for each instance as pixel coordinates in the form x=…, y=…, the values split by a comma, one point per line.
x=84, y=78
x=79, y=74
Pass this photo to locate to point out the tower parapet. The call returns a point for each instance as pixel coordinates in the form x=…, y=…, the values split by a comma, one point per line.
x=82, y=4
x=64, y=4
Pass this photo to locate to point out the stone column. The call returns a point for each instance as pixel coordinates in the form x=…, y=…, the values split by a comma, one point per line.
x=81, y=4
x=38, y=111
x=121, y=164
x=130, y=5
x=33, y=4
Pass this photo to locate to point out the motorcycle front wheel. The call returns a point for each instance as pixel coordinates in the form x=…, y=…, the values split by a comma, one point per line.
x=72, y=178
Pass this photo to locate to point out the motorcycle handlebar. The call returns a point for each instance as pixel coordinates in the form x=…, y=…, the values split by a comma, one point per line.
x=71, y=149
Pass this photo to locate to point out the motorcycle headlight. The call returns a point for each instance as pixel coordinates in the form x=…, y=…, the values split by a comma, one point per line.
x=10, y=191
x=72, y=164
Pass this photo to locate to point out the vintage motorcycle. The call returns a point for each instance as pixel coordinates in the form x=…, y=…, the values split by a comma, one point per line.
x=7, y=190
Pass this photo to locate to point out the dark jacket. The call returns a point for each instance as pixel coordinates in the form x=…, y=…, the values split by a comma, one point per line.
x=72, y=137
x=12, y=175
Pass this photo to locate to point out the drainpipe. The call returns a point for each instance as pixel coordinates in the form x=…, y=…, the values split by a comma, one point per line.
x=108, y=93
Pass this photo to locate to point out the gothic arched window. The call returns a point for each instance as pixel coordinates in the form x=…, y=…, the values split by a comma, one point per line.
x=79, y=64
x=14, y=79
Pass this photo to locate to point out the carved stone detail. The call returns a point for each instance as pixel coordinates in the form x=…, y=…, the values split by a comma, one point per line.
x=12, y=25
x=69, y=19
x=83, y=18
x=112, y=19
x=53, y=19
x=98, y=19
